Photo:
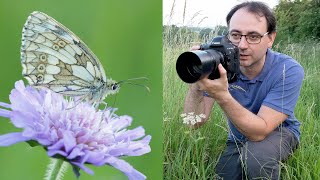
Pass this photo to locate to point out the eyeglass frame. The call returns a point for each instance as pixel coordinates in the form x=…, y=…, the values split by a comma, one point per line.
x=261, y=36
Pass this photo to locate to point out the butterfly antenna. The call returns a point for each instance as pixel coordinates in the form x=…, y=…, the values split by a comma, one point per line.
x=146, y=87
x=132, y=79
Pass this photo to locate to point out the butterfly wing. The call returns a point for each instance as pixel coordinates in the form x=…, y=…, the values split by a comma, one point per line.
x=54, y=57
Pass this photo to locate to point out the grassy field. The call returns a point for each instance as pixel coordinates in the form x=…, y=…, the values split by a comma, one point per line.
x=193, y=154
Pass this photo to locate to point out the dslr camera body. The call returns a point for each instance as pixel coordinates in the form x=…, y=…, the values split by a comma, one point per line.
x=192, y=66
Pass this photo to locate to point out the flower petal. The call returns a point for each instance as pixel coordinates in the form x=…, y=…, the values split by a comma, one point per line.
x=140, y=147
x=121, y=122
x=69, y=141
x=5, y=113
x=95, y=158
x=133, y=148
x=12, y=138
x=5, y=105
x=77, y=151
x=126, y=168
x=132, y=134
x=57, y=148
x=83, y=167
x=22, y=119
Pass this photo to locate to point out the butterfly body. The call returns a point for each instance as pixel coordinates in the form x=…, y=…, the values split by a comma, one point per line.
x=54, y=57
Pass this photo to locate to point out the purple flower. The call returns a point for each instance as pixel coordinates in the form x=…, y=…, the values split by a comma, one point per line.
x=75, y=132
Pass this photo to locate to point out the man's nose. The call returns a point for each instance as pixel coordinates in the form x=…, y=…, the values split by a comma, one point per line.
x=243, y=44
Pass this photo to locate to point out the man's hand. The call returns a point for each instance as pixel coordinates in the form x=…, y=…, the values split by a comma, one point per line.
x=196, y=47
x=254, y=126
x=217, y=88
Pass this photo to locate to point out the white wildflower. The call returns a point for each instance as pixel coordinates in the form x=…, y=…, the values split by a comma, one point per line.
x=183, y=115
x=191, y=118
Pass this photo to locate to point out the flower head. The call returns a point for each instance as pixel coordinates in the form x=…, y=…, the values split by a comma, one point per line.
x=75, y=132
x=191, y=118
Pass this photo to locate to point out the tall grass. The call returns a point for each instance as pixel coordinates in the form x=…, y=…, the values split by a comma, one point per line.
x=193, y=154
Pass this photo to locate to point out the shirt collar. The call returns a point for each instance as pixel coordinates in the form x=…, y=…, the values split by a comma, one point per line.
x=265, y=70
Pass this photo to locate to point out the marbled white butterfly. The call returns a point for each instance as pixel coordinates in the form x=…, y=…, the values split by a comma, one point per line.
x=54, y=57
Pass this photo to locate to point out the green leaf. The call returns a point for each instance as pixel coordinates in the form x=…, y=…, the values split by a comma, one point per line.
x=33, y=143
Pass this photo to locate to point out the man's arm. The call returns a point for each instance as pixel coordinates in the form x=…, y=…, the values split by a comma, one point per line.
x=197, y=103
x=254, y=127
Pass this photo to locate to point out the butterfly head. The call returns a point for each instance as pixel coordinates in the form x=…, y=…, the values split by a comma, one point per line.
x=112, y=87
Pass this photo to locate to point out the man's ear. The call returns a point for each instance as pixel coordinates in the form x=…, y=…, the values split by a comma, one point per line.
x=272, y=37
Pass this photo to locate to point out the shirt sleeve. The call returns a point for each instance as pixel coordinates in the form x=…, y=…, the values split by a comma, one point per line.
x=285, y=91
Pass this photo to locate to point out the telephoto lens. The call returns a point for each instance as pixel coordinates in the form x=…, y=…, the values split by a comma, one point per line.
x=195, y=65
x=192, y=66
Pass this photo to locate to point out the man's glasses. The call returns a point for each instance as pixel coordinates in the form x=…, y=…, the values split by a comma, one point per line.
x=254, y=38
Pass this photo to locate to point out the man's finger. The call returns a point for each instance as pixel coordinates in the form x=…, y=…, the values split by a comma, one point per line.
x=222, y=72
x=196, y=47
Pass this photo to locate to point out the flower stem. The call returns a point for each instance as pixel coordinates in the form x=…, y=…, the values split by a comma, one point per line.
x=56, y=169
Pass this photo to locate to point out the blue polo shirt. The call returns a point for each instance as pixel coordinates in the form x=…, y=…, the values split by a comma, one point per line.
x=277, y=86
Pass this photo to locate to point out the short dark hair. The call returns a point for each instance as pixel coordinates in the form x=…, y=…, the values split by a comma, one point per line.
x=258, y=8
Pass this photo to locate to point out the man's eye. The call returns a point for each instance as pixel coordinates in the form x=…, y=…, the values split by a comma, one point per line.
x=253, y=37
x=236, y=36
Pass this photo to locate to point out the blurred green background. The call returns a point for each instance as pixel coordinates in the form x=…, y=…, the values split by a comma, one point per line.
x=126, y=36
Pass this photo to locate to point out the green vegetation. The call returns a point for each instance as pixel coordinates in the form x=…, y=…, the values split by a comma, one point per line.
x=298, y=20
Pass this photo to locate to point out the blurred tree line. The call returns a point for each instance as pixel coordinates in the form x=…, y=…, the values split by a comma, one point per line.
x=297, y=21
x=174, y=35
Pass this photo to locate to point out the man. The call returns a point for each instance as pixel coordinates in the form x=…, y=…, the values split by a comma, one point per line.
x=260, y=105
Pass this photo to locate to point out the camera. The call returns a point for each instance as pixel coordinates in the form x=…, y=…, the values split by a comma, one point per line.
x=192, y=66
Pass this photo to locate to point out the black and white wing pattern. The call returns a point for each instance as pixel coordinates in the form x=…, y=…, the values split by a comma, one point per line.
x=54, y=57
